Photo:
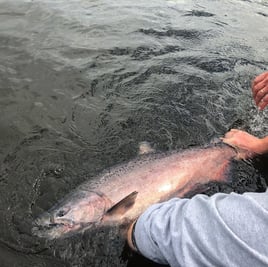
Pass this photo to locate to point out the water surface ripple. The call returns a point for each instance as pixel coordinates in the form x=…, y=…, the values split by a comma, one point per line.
x=83, y=82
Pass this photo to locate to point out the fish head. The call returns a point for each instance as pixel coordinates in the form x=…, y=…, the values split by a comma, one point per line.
x=74, y=213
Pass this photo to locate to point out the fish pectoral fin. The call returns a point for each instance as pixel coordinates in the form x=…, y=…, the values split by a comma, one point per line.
x=123, y=205
x=145, y=148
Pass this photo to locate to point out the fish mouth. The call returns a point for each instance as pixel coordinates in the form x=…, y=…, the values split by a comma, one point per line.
x=47, y=227
x=48, y=220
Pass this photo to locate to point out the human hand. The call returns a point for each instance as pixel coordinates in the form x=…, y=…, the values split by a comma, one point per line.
x=260, y=90
x=247, y=145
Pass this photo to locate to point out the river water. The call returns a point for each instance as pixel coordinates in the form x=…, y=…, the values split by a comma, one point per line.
x=83, y=82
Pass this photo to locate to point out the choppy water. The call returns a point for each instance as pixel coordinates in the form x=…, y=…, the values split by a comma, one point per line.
x=83, y=82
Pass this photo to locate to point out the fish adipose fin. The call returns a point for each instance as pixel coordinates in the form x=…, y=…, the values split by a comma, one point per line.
x=123, y=205
x=145, y=148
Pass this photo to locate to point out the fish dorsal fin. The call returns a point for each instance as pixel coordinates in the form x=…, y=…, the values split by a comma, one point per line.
x=123, y=205
x=145, y=148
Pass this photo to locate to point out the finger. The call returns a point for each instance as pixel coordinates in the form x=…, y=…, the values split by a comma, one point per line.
x=228, y=141
x=223, y=139
x=232, y=134
x=260, y=95
x=259, y=86
x=234, y=130
x=232, y=145
x=242, y=155
x=259, y=78
x=228, y=135
x=263, y=103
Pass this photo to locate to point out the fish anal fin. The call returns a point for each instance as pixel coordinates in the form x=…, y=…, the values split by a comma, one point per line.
x=123, y=205
x=145, y=148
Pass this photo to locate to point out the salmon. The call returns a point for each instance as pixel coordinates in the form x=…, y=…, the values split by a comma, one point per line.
x=123, y=192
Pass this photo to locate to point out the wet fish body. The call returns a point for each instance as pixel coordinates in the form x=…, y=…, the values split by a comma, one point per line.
x=125, y=191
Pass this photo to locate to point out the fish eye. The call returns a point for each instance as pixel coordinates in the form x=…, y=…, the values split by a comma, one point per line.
x=61, y=213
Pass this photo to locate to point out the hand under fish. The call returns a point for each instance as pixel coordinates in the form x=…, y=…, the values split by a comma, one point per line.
x=247, y=145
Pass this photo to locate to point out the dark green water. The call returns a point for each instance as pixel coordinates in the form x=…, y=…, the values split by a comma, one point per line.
x=83, y=82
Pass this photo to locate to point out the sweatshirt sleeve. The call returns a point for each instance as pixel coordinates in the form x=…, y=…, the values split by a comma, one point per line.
x=222, y=230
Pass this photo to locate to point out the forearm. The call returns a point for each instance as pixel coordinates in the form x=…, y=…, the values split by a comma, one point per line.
x=146, y=234
x=205, y=231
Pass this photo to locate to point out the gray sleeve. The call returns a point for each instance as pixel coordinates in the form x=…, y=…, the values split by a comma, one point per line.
x=222, y=230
